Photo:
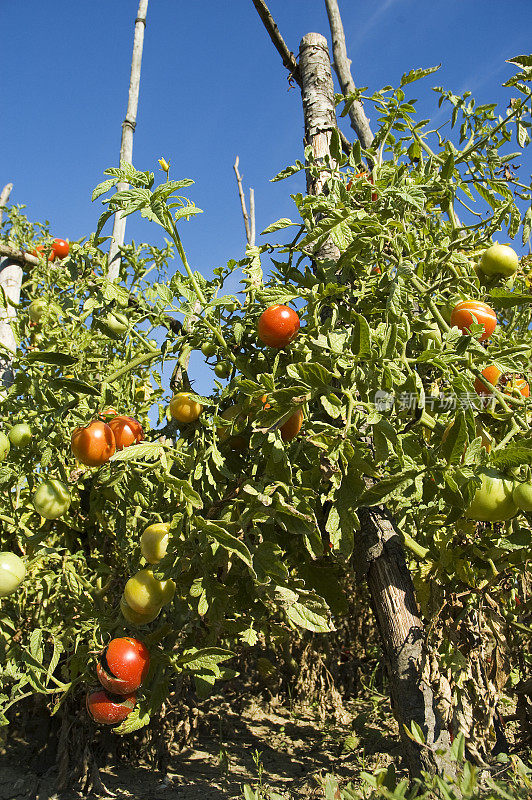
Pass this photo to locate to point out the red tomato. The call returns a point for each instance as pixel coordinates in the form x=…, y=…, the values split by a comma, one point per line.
x=471, y=311
x=39, y=253
x=94, y=444
x=60, y=248
x=108, y=709
x=108, y=412
x=278, y=326
x=123, y=666
x=126, y=430
x=492, y=374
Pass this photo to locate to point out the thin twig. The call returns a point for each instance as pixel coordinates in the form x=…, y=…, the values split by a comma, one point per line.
x=252, y=215
x=242, y=201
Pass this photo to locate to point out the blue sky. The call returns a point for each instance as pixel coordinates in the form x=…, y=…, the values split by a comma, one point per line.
x=212, y=86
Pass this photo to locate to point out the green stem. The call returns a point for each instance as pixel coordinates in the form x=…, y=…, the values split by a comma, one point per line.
x=142, y=359
x=415, y=548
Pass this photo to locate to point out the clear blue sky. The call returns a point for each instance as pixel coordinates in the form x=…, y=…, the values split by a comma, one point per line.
x=212, y=86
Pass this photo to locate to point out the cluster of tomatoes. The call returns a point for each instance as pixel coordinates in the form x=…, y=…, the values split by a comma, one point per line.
x=94, y=444
x=498, y=498
x=144, y=595
x=59, y=248
x=122, y=669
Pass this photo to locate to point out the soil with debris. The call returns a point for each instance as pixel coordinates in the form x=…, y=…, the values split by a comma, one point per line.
x=286, y=749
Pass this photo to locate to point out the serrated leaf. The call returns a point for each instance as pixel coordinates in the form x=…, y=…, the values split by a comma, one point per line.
x=145, y=450
x=206, y=658
x=226, y=540
x=133, y=722
x=417, y=74
x=311, y=616
x=386, y=488
x=313, y=375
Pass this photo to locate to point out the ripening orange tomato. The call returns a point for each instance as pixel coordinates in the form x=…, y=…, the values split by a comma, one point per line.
x=292, y=426
x=94, y=444
x=517, y=385
x=473, y=311
x=126, y=430
x=38, y=252
x=492, y=374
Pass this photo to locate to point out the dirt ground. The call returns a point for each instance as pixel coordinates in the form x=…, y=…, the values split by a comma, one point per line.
x=290, y=747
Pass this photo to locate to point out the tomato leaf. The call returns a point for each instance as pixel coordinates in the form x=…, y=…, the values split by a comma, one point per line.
x=49, y=357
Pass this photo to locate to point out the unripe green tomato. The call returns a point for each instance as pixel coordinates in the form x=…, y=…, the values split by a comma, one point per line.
x=522, y=496
x=208, y=349
x=154, y=542
x=51, y=499
x=493, y=501
x=136, y=618
x=117, y=322
x=499, y=259
x=144, y=593
x=153, y=342
x=431, y=336
x=222, y=369
x=12, y=573
x=37, y=309
x=20, y=435
x=5, y=446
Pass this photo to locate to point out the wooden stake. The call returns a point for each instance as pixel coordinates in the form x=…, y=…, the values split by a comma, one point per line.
x=4, y=197
x=128, y=129
x=379, y=555
x=249, y=219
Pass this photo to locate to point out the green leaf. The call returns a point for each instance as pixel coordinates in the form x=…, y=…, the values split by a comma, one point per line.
x=284, y=222
x=133, y=722
x=49, y=357
x=226, y=540
x=417, y=74
x=361, y=337
x=311, y=615
x=74, y=386
x=145, y=450
x=313, y=375
x=288, y=171
x=206, y=658
x=386, y=488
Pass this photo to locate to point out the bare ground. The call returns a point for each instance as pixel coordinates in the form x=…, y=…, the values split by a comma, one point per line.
x=292, y=747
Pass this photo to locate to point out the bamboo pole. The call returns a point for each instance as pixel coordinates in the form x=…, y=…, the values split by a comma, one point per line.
x=128, y=129
x=379, y=553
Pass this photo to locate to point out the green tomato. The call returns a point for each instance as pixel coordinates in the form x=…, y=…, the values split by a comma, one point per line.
x=493, y=501
x=499, y=259
x=222, y=369
x=20, y=435
x=117, y=322
x=154, y=542
x=37, y=309
x=136, y=618
x=522, y=496
x=143, y=593
x=12, y=573
x=432, y=335
x=51, y=499
x=5, y=446
x=208, y=349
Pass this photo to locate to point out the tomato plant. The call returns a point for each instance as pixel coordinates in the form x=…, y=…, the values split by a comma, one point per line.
x=473, y=311
x=123, y=666
x=109, y=709
x=184, y=408
x=94, y=444
x=126, y=431
x=51, y=499
x=12, y=573
x=278, y=326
